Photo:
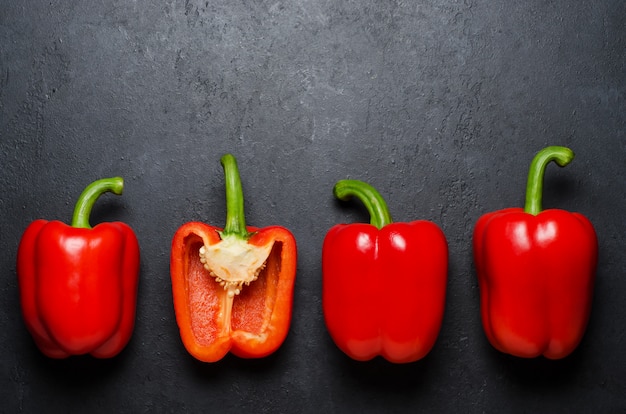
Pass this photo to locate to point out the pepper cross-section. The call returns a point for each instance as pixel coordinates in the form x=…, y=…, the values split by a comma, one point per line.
x=232, y=287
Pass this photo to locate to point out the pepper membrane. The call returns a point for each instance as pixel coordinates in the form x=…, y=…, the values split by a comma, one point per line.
x=536, y=271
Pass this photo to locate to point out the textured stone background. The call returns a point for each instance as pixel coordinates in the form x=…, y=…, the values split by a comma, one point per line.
x=440, y=105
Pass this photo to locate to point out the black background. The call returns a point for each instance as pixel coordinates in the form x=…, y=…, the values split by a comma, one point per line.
x=440, y=105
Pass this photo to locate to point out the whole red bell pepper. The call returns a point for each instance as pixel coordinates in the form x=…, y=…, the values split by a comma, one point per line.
x=383, y=283
x=536, y=271
x=233, y=287
x=78, y=285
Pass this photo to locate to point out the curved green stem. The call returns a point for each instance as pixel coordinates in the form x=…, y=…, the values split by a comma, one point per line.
x=373, y=201
x=534, y=188
x=235, y=217
x=87, y=199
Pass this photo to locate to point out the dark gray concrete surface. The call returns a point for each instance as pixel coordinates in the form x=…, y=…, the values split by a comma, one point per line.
x=440, y=105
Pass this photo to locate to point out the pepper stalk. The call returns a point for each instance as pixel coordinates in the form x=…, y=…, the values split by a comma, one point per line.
x=373, y=201
x=534, y=187
x=87, y=199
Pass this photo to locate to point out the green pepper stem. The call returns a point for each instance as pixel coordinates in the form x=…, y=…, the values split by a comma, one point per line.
x=82, y=210
x=534, y=188
x=235, y=217
x=373, y=201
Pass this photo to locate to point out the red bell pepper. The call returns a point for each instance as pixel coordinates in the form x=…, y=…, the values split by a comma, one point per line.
x=536, y=271
x=384, y=283
x=78, y=285
x=232, y=288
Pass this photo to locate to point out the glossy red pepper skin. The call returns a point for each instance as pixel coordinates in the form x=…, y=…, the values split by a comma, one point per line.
x=383, y=290
x=536, y=276
x=536, y=272
x=78, y=287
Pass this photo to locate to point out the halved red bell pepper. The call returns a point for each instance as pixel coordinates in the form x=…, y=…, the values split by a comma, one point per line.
x=536, y=271
x=384, y=283
x=233, y=287
x=78, y=285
